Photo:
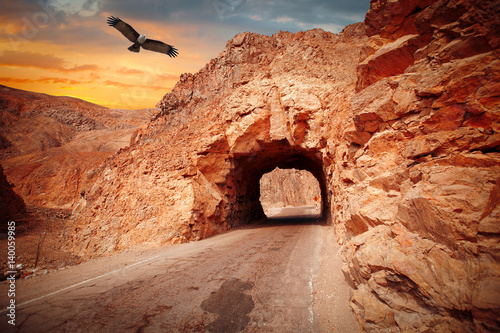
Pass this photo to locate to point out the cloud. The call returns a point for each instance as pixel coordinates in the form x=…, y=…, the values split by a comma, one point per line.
x=144, y=76
x=61, y=80
x=59, y=22
x=307, y=11
x=162, y=11
x=13, y=8
x=166, y=77
x=211, y=10
x=297, y=15
x=70, y=38
x=30, y=59
x=57, y=9
x=43, y=61
x=85, y=67
x=15, y=80
x=54, y=80
x=129, y=71
x=225, y=18
x=133, y=86
x=284, y=19
x=83, y=8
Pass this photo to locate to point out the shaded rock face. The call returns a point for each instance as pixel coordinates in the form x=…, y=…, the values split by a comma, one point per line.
x=288, y=188
x=11, y=204
x=49, y=146
x=398, y=120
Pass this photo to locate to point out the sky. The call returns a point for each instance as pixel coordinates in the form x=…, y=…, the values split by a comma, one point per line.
x=66, y=48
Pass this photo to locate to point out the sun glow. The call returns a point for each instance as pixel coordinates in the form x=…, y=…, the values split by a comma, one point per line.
x=103, y=72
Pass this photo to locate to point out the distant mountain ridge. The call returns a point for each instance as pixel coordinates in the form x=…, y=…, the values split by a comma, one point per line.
x=49, y=143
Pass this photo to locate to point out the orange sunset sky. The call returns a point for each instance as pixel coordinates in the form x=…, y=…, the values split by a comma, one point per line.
x=65, y=48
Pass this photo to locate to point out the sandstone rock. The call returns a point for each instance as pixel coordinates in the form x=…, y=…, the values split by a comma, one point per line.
x=352, y=134
x=53, y=144
x=288, y=188
x=387, y=17
x=11, y=204
x=416, y=292
x=397, y=119
x=391, y=59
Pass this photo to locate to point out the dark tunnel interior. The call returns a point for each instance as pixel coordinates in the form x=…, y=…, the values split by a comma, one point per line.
x=250, y=167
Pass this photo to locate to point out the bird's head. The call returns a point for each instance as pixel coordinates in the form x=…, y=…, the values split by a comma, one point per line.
x=141, y=39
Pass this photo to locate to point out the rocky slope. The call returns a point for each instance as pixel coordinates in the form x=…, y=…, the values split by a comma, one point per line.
x=396, y=117
x=288, y=188
x=49, y=145
x=11, y=204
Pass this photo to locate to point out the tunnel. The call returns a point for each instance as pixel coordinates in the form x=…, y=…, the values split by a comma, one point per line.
x=248, y=168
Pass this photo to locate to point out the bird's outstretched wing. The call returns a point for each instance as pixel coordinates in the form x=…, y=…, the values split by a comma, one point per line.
x=157, y=46
x=124, y=28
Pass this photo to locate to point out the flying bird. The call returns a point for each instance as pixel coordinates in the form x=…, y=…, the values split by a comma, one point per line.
x=140, y=40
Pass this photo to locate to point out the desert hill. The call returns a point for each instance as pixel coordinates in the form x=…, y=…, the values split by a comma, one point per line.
x=49, y=143
x=49, y=147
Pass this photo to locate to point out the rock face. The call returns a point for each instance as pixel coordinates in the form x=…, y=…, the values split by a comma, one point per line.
x=195, y=170
x=11, y=204
x=398, y=120
x=50, y=145
x=288, y=188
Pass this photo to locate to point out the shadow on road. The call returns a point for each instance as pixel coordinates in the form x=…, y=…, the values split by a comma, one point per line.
x=291, y=216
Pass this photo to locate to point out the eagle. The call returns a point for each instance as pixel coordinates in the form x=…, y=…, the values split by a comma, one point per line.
x=141, y=40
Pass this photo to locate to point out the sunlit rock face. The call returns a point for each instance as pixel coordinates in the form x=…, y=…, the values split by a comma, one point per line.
x=288, y=188
x=194, y=171
x=398, y=120
x=49, y=145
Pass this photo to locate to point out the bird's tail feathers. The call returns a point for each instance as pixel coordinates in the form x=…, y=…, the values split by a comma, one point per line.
x=134, y=48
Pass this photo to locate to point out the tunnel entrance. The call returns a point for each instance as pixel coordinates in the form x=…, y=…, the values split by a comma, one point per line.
x=249, y=167
x=290, y=193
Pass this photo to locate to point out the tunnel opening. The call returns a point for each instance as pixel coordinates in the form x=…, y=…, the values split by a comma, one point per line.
x=249, y=167
x=290, y=194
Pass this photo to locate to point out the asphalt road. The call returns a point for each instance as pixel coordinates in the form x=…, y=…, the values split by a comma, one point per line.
x=256, y=279
x=296, y=213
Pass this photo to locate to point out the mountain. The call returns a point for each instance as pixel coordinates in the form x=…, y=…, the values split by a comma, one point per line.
x=11, y=204
x=288, y=188
x=396, y=117
x=50, y=150
x=50, y=144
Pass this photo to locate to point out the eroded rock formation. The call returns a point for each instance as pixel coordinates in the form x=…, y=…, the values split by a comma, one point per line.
x=194, y=171
x=396, y=117
x=288, y=188
x=50, y=145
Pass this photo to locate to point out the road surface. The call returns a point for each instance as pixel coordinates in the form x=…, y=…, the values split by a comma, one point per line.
x=295, y=213
x=256, y=279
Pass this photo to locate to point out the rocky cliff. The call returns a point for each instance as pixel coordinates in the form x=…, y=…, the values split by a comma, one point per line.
x=11, y=204
x=288, y=188
x=398, y=120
